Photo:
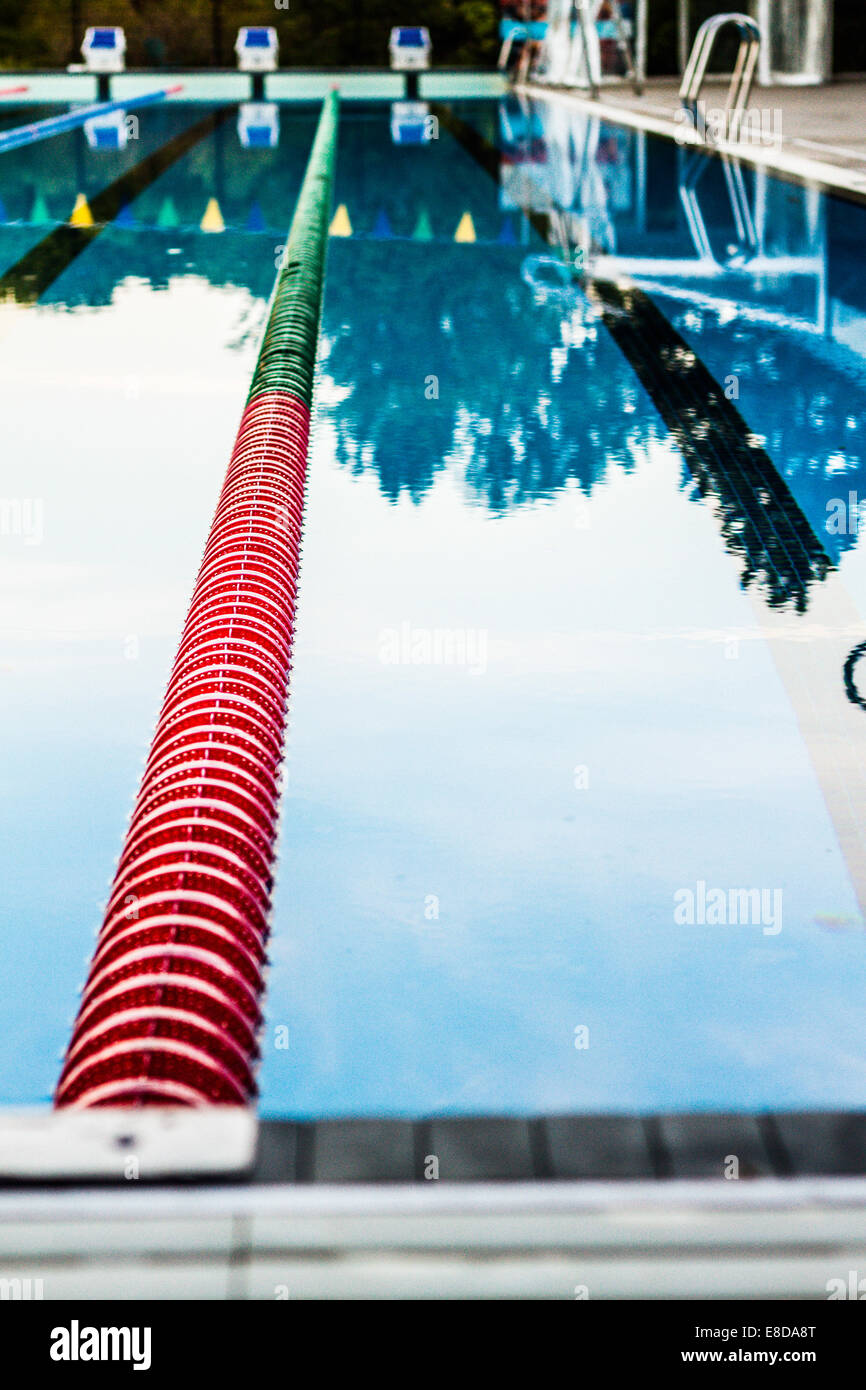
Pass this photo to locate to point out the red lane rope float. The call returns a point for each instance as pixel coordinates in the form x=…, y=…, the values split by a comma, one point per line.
x=171, y=1008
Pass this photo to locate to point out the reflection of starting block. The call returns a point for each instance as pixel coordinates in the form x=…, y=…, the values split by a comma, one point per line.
x=108, y=132
x=410, y=49
x=104, y=50
x=257, y=50
x=411, y=123
x=259, y=125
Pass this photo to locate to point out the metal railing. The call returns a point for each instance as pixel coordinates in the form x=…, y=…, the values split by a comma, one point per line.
x=575, y=29
x=585, y=19
x=744, y=67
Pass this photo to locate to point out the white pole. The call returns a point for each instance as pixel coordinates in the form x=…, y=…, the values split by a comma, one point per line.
x=683, y=33
x=764, y=70
x=641, y=44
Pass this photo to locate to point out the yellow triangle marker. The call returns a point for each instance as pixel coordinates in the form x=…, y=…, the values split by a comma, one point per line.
x=81, y=216
x=465, y=228
x=213, y=218
x=341, y=226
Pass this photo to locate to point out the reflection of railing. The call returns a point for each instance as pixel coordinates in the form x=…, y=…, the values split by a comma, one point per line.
x=761, y=517
x=744, y=67
x=748, y=237
x=746, y=244
x=550, y=277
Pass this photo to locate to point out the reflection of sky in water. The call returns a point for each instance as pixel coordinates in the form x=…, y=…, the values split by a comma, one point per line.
x=536, y=501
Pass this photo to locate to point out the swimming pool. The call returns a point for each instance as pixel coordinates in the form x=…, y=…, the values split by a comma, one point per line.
x=569, y=659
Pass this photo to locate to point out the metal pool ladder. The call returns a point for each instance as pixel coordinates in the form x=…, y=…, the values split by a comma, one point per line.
x=744, y=67
x=581, y=13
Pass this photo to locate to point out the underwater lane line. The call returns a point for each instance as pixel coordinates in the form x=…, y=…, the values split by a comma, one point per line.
x=28, y=279
x=761, y=520
x=171, y=1009
x=762, y=524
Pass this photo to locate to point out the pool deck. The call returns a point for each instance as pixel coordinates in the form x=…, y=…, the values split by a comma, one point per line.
x=574, y=1241
x=822, y=130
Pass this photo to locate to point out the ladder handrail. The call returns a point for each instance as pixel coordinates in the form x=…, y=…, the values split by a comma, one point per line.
x=744, y=67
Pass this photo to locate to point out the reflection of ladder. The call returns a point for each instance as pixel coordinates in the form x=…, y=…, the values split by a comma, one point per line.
x=746, y=244
x=744, y=67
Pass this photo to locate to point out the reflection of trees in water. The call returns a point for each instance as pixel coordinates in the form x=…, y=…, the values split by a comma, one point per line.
x=525, y=405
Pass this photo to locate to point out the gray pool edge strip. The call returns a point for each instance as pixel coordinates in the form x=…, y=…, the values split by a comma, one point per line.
x=689, y=1239
x=172, y=1200
x=582, y=1148
x=706, y=1238
x=733, y=1150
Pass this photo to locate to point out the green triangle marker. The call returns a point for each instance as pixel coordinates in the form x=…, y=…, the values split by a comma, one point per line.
x=39, y=212
x=423, y=229
x=167, y=214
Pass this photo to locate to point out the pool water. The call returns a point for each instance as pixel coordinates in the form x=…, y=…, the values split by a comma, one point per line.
x=552, y=713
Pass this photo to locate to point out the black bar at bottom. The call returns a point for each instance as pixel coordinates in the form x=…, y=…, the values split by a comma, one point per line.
x=229, y=1341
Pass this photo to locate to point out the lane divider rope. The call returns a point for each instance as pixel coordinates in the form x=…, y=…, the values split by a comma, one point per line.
x=171, y=1008
x=70, y=120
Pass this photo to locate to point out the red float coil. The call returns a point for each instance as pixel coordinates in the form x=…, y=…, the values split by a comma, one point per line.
x=170, y=1009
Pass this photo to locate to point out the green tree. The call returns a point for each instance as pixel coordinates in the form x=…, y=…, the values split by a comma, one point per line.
x=313, y=33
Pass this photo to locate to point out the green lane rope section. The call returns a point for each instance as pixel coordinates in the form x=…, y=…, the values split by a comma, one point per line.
x=287, y=357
